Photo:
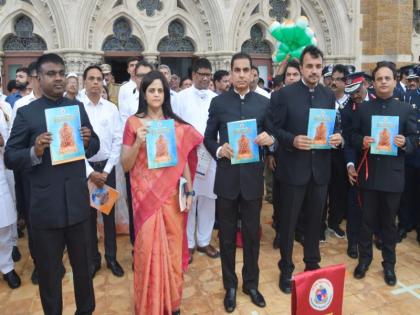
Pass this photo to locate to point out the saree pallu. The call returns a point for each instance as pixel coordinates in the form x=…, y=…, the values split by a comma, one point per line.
x=159, y=224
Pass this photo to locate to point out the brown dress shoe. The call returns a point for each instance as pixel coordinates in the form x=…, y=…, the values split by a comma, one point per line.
x=209, y=251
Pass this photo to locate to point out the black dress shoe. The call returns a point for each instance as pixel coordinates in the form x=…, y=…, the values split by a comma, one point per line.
x=256, y=297
x=12, y=279
x=178, y=312
x=310, y=267
x=285, y=283
x=94, y=268
x=34, y=277
x=115, y=268
x=360, y=271
x=352, y=251
x=276, y=241
x=390, y=277
x=16, y=256
x=230, y=300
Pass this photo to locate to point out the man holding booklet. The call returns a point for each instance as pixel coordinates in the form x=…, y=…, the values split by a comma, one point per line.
x=241, y=119
x=106, y=121
x=51, y=137
x=304, y=124
x=385, y=129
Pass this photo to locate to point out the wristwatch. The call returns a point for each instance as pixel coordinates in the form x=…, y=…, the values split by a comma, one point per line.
x=190, y=193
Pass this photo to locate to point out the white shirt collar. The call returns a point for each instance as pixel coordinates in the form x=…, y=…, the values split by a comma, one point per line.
x=89, y=102
x=241, y=96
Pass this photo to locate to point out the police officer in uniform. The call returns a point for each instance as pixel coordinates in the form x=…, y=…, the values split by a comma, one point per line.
x=356, y=88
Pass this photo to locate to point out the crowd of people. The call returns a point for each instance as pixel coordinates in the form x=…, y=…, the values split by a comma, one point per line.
x=312, y=190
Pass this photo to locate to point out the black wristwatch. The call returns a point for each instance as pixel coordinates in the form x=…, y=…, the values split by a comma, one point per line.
x=190, y=193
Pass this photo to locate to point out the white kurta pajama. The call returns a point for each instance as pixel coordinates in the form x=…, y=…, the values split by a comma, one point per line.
x=8, y=215
x=192, y=105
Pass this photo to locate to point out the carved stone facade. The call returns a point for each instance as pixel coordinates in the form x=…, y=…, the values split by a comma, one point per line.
x=83, y=31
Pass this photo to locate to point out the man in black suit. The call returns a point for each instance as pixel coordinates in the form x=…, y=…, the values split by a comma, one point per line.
x=238, y=186
x=303, y=173
x=59, y=200
x=382, y=176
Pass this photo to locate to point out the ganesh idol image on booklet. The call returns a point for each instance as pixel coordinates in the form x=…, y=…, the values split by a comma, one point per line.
x=161, y=144
x=242, y=134
x=64, y=125
x=321, y=127
x=383, y=130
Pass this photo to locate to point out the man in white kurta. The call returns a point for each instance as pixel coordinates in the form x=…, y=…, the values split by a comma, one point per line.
x=192, y=105
x=8, y=216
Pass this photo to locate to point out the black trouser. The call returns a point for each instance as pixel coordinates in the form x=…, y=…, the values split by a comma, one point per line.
x=228, y=211
x=409, y=212
x=49, y=247
x=110, y=237
x=309, y=199
x=337, y=191
x=354, y=216
x=130, y=207
x=300, y=226
x=19, y=193
x=382, y=207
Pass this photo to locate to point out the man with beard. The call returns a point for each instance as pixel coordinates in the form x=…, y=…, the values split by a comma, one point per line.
x=382, y=176
x=303, y=172
x=221, y=80
x=22, y=75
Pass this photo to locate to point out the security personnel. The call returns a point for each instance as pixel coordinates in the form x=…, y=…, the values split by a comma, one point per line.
x=409, y=212
x=356, y=88
x=109, y=82
x=326, y=74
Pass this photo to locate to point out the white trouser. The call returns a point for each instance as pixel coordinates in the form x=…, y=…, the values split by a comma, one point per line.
x=14, y=234
x=201, y=218
x=6, y=247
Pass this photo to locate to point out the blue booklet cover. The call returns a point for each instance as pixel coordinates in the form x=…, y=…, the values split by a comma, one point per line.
x=242, y=135
x=383, y=130
x=321, y=127
x=161, y=144
x=64, y=124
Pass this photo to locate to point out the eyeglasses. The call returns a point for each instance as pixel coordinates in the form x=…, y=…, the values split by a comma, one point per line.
x=337, y=79
x=201, y=74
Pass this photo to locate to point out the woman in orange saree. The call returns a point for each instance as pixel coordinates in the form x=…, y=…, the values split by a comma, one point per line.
x=158, y=220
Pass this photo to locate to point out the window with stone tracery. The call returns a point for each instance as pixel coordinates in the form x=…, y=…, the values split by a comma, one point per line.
x=257, y=44
x=150, y=6
x=279, y=9
x=122, y=40
x=24, y=38
x=176, y=39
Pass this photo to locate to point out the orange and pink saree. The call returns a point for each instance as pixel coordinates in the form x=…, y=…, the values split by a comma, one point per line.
x=159, y=249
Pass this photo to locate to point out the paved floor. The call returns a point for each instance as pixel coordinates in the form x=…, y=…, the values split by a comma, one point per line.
x=203, y=290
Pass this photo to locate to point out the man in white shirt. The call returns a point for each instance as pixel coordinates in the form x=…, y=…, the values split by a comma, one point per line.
x=22, y=185
x=131, y=106
x=127, y=90
x=253, y=86
x=2, y=96
x=166, y=71
x=106, y=122
x=192, y=105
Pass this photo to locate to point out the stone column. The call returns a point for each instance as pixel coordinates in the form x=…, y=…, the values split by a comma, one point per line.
x=386, y=31
x=77, y=60
x=219, y=60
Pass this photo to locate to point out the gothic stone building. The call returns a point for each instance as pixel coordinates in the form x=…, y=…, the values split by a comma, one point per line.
x=176, y=32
